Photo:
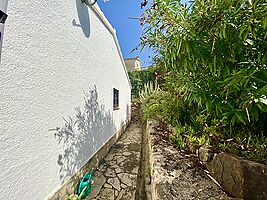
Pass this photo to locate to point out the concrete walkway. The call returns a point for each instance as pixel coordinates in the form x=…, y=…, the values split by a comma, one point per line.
x=116, y=178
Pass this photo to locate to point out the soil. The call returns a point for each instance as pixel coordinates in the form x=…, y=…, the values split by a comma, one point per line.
x=178, y=175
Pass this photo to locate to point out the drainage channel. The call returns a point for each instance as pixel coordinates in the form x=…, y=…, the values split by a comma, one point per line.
x=143, y=190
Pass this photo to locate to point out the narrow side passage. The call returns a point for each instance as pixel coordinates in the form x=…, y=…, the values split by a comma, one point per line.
x=116, y=178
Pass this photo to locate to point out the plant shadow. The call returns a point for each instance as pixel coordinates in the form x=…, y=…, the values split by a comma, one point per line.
x=83, y=135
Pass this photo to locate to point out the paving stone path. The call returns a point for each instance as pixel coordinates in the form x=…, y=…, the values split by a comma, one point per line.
x=116, y=177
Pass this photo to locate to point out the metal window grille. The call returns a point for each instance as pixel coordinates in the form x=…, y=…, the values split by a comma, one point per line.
x=115, y=99
x=3, y=17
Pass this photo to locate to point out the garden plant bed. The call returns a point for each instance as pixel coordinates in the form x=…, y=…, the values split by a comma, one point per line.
x=175, y=174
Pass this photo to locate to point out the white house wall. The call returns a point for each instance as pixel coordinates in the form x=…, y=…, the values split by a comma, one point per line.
x=55, y=55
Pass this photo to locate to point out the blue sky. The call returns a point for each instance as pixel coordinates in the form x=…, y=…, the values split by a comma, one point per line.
x=128, y=30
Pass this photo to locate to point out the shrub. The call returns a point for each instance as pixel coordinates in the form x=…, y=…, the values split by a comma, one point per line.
x=162, y=105
x=213, y=61
x=140, y=78
x=215, y=54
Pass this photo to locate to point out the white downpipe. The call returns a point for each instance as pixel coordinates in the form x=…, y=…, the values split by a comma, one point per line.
x=3, y=8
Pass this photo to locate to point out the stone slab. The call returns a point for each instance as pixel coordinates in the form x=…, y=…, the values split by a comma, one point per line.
x=240, y=178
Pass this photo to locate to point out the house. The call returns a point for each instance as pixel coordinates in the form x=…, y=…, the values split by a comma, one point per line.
x=133, y=64
x=65, y=96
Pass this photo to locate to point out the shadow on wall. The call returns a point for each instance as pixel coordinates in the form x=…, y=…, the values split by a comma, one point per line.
x=83, y=134
x=84, y=18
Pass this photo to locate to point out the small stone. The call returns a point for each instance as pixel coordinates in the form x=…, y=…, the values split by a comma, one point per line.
x=107, y=194
x=116, y=193
x=120, y=159
x=118, y=170
x=122, y=192
x=109, y=157
x=115, y=166
x=124, y=186
x=102, y=167
x=135, y=170
x=111, y=163
x=129, y=196
x=110, y=173
x=107, y=185
x=126, y=153
x=127, y=179
x=115, y=183
x=99, y=180
x=136, y=154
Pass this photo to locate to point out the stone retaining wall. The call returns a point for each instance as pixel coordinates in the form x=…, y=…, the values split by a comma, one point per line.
x=240, y=178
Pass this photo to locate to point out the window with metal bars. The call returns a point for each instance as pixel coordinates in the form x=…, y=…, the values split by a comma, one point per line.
x=3, y=17
x=115, y=99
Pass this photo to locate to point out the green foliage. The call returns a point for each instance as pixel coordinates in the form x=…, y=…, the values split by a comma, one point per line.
x=202, y=140
x=244, y=143
x=213, y=61
x=190, y=133
x=151, y=98
x=216, y=54
x=248, y=146
x=74, y=197
x=140, y=78
x=161, y=105
x=179, y=140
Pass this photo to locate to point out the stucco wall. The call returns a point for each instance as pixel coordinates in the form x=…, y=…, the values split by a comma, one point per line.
x=59, y=66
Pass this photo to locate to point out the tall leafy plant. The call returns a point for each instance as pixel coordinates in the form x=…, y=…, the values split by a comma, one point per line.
x=213, y=54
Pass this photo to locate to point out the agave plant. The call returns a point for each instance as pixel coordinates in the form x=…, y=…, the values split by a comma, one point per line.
x=149, y=90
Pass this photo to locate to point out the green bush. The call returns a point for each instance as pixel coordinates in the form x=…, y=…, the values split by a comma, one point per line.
x=140, y=78
x=215, y=53
x=213, y=61
x=159, y=104
x=192, y=132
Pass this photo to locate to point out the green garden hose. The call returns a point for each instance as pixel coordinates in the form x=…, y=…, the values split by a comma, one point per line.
x=84, y=186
